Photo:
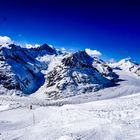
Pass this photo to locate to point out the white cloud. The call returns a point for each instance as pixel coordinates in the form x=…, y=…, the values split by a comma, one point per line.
x=5, y=40
x=28, y=46
x=36, y=45
x=93, y=53
x=63, y=49
x=31, y=45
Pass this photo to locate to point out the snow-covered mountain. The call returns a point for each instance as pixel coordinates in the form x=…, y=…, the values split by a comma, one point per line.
x=25, y=70
x=76, y=74
x=20, y=71
x=47, y=71
x=42, y=50
x=127, y=65
x=104, y=69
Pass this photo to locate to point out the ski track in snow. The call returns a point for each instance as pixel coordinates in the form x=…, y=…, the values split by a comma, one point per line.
x=93, y=119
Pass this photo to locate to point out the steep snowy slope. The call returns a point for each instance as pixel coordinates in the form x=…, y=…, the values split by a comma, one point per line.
x=104, y=69
x=42, y=50
x=24, y=70
x=127, y=65
x=128, y=83
x=75, y=74
x=19, y=70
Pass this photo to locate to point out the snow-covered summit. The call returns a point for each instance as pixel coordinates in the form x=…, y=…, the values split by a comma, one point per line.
x=20, y=70
x=127, y=65
x=104, y=69
x=42, y=50
x=78, y=59
x=27, y=69
x=75, y=75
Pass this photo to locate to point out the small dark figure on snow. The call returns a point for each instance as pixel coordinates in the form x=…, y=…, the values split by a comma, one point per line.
x=30, y=107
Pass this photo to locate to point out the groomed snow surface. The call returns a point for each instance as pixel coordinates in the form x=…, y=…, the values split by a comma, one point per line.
x=110, y=114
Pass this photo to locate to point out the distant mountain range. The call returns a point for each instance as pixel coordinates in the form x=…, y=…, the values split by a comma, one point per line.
x=24, y=70
x=127, y=65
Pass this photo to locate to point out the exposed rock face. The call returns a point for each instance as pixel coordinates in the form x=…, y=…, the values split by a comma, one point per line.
x=42, y=50
x=78, y=59
x=138, y=71
x=20, y=70
x=104, y=69
x=75, y=75
x=7, y=78
x=66, y=75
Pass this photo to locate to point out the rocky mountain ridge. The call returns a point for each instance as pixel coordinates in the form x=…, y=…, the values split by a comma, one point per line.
x=27, y=70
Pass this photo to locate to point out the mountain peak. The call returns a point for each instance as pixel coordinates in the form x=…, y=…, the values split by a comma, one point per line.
x=128, y=60
x=46, y=47
x=80, y=58
x=128, y=65
x=42, y=50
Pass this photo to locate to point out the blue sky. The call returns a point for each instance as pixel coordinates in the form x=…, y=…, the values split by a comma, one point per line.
x=111, y=27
